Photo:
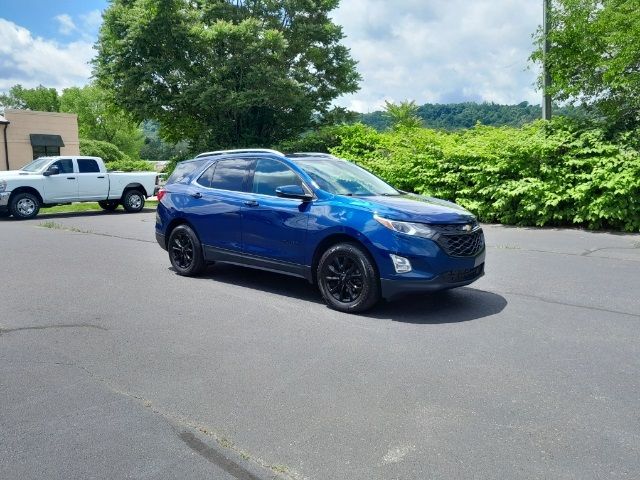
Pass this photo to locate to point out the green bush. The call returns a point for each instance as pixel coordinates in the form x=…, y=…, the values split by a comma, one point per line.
x=114, y=159
x=544, y=174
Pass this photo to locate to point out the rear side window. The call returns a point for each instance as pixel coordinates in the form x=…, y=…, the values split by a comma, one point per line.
x=88, y=166
x=182, y=171
x=230, y=174
x=271, y=174
x=205, y=178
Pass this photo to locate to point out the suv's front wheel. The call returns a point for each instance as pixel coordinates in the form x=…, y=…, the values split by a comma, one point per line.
x=347, y=278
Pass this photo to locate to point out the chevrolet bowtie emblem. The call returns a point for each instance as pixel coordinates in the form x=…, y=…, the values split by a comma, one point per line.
x=466, y=228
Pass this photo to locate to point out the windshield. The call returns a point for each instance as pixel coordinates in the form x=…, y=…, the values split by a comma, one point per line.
x=36, y=165
x=344, y=178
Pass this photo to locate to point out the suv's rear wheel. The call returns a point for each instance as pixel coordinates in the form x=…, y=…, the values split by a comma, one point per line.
x=185, y=251
x=133, y=201
x=347, y=278
x=24, y=206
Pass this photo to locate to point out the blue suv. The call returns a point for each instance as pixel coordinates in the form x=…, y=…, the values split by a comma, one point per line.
x=318, y=217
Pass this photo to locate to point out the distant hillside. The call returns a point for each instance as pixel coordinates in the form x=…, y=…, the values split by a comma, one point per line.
x=454, y=116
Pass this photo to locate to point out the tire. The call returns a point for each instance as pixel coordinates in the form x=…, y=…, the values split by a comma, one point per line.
x=133, y=201
x=109, y=205
x=347, y=278
x=24, y=206
x=185, y=251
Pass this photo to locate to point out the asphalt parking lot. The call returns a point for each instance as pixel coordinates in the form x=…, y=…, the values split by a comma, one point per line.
x=112, y=366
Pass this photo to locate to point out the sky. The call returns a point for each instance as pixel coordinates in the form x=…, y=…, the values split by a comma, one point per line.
x=430, y=51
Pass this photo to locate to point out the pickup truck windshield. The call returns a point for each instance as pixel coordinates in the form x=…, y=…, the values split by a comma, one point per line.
x=36, y=165
x=344, y=178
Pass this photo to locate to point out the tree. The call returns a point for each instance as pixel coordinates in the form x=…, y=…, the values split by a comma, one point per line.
x=224, y=73
x=595, y=57
x=403, y=114
x=100, y=119
x=40, y=99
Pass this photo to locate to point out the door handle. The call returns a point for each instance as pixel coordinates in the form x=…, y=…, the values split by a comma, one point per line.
x=71, y=178
x=251, y=203
x=101, y=176
x=196, y=195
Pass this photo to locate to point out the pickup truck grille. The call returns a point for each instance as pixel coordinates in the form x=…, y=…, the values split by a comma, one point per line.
x=463, y=244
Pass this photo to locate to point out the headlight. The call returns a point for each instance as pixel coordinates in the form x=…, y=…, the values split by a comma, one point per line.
x=408, y=228
x=3, y=185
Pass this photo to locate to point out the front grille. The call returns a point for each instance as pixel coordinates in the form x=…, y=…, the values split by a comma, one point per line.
x=462, y=245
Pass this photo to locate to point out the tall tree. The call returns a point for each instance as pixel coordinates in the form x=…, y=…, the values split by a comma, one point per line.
x=403, y=114
x=40, y=99
x=100, y=119
x=595, y=57
x=224, y=72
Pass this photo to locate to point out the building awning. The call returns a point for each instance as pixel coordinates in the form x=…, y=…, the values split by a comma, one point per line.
x=44, y=140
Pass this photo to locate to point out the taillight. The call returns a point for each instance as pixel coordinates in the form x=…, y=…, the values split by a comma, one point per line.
x=161, y=193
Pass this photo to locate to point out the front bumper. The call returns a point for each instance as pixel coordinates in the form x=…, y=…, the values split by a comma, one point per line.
x=395, y=288
x=4, y=200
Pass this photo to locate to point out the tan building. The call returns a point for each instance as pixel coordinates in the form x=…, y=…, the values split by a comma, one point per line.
x=26, y=135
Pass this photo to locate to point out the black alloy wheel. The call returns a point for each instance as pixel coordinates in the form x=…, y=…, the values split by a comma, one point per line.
x=185, y=251
x=343, y=278
x=347, y=278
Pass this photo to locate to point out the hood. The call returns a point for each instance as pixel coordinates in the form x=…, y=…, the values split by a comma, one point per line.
x=416, y=208
x=12, y=174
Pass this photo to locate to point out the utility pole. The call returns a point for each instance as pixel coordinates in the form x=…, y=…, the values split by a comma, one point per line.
x=546, y=74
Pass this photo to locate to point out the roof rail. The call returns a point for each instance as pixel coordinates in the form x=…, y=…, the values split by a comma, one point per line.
x=240, y=150
x=314, y=154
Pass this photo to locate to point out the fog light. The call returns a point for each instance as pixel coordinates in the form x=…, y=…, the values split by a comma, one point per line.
x=401, y=264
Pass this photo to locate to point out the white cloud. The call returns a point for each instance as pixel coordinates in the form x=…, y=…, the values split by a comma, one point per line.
x=441, y=51
x=66, y=26
x=91, y=21
x=31, y=61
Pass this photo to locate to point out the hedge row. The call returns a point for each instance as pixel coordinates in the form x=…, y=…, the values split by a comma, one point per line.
x=113, y=157
x=543, y=174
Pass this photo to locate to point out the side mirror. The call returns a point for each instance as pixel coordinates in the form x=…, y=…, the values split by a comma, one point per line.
x=293, y=191
x=52, y=170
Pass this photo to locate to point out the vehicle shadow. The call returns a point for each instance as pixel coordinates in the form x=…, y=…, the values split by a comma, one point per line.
x=91, y=213
x=450, y=306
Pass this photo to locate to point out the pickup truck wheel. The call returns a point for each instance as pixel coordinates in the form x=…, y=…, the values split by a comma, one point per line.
x=109, y=205
x=185, y=251
x=24, y=206
x=133, y=201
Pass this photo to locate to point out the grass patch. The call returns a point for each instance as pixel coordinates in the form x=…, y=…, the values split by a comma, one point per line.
x=85, y=207
x=58, y=226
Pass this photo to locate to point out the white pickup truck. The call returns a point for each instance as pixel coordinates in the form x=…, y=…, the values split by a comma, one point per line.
x=50, y=181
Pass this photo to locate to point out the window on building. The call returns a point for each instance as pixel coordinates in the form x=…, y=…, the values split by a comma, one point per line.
x=45, y=145
x=43, y=151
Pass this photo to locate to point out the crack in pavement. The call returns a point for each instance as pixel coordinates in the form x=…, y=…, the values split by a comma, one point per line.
x=45, y=327
x=210, y=453
x=215, y=457
x=586, y=253
x=72, y=229
x=566, y=304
